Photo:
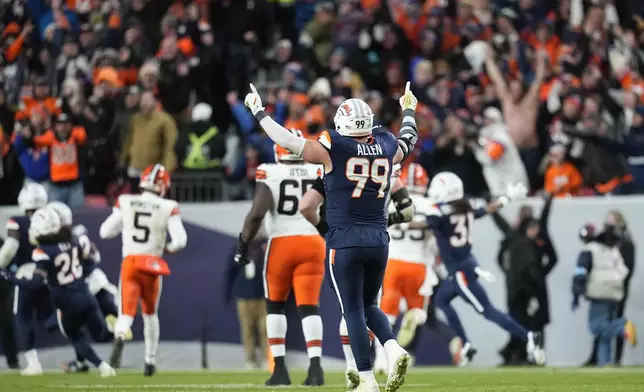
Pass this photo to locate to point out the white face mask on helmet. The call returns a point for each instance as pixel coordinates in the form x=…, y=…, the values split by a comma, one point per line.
x=445, y=187
x=354, y=118
x=32, y=196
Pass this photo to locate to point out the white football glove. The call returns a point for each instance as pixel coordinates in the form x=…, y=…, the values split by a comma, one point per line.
x=517, y=191
x=487, y=276
x=253, y=101
x=408, y=100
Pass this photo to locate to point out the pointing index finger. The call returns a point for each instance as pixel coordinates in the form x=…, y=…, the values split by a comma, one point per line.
x=253, y=89
x=408, y=87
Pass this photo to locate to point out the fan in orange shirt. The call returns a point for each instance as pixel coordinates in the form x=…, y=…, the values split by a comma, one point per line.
x=64, y=143
x=562, y=178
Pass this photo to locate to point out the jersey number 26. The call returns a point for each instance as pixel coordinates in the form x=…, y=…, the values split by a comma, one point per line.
x=360, y=170
x=69, y=268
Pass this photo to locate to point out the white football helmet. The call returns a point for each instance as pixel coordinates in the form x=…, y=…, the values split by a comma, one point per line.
x=32, y=196
x=45, y=221
x=63, y=211
x=354, y=118
x=445, y=187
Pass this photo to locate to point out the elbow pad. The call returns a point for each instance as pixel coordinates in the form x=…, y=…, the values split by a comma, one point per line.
x=404, y=207
x=408, y=135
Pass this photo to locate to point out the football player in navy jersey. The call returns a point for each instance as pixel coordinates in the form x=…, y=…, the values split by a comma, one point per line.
x=451, y=220
x=15, y=254
x=98, y=284
x=58, y=265
x=358, y=163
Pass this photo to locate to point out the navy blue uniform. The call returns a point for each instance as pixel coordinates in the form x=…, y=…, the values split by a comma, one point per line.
x=105, y=298
x=76, y=307
x=28, y=301
x=453, y=232
x=79, y=234
x=357, y=241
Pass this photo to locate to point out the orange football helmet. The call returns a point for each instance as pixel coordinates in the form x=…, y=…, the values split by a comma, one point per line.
x=282, y=154
x=415, y=178
x=155, y=178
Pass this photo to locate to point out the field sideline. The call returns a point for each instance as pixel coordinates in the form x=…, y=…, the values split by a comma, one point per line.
x=420, y=379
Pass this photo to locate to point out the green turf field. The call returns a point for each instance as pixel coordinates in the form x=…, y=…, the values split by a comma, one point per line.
x=434, y=380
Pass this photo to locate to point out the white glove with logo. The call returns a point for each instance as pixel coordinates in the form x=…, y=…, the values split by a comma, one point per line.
x=517, y=191
x=253, y=101
x=408, y=100
x=487, y=276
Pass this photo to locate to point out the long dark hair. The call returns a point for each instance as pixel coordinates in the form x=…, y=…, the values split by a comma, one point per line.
x=461, y=206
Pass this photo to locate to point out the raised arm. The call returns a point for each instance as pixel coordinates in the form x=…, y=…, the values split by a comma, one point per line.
x=532, y=96
x=408, y=135
x=495, y=74
x=311, y=151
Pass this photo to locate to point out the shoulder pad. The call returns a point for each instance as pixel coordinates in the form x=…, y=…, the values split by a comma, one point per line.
x=325, y=139
x=39, y=255
x=12, y=224
x=262, y=172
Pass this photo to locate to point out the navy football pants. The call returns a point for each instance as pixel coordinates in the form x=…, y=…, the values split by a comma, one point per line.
x=26, y=304
x=71, y=320
x=466, y=285
x=356, y=274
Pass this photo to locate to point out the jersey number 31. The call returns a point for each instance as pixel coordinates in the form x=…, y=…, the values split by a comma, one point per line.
x=360, y=170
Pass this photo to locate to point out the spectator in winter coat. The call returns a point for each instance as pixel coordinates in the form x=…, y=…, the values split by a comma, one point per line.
x=34, y=160
x=202, y=145
x=150, y=139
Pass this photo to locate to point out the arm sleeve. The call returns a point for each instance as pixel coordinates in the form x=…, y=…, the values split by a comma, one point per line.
x=178, y=235
x=8, y=251
x=480, y=212
x=408, y=135
x=584, y=264
x=281, y=135
x=112, y=225
x=318, y=186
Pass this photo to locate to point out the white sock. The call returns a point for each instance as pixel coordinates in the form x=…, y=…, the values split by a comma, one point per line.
x=31, y=356
x=151, y=334
x=367, y=375
x=123, y=324
x=346, y=347
x=392, y=347
x=312, y=328
x=276, y=332
x=380, y=350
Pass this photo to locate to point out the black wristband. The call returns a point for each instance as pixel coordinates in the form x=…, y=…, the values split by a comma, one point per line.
x=409, y=112
x=260, y=115
x=322, y=227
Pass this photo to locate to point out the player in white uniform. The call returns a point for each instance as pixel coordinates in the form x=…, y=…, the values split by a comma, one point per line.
x=144, y=221
x=294, y=258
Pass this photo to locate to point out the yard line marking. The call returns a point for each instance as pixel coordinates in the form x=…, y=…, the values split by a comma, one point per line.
x=202, y=386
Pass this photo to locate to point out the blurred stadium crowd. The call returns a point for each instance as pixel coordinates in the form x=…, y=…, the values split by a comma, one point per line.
x=545, y=92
